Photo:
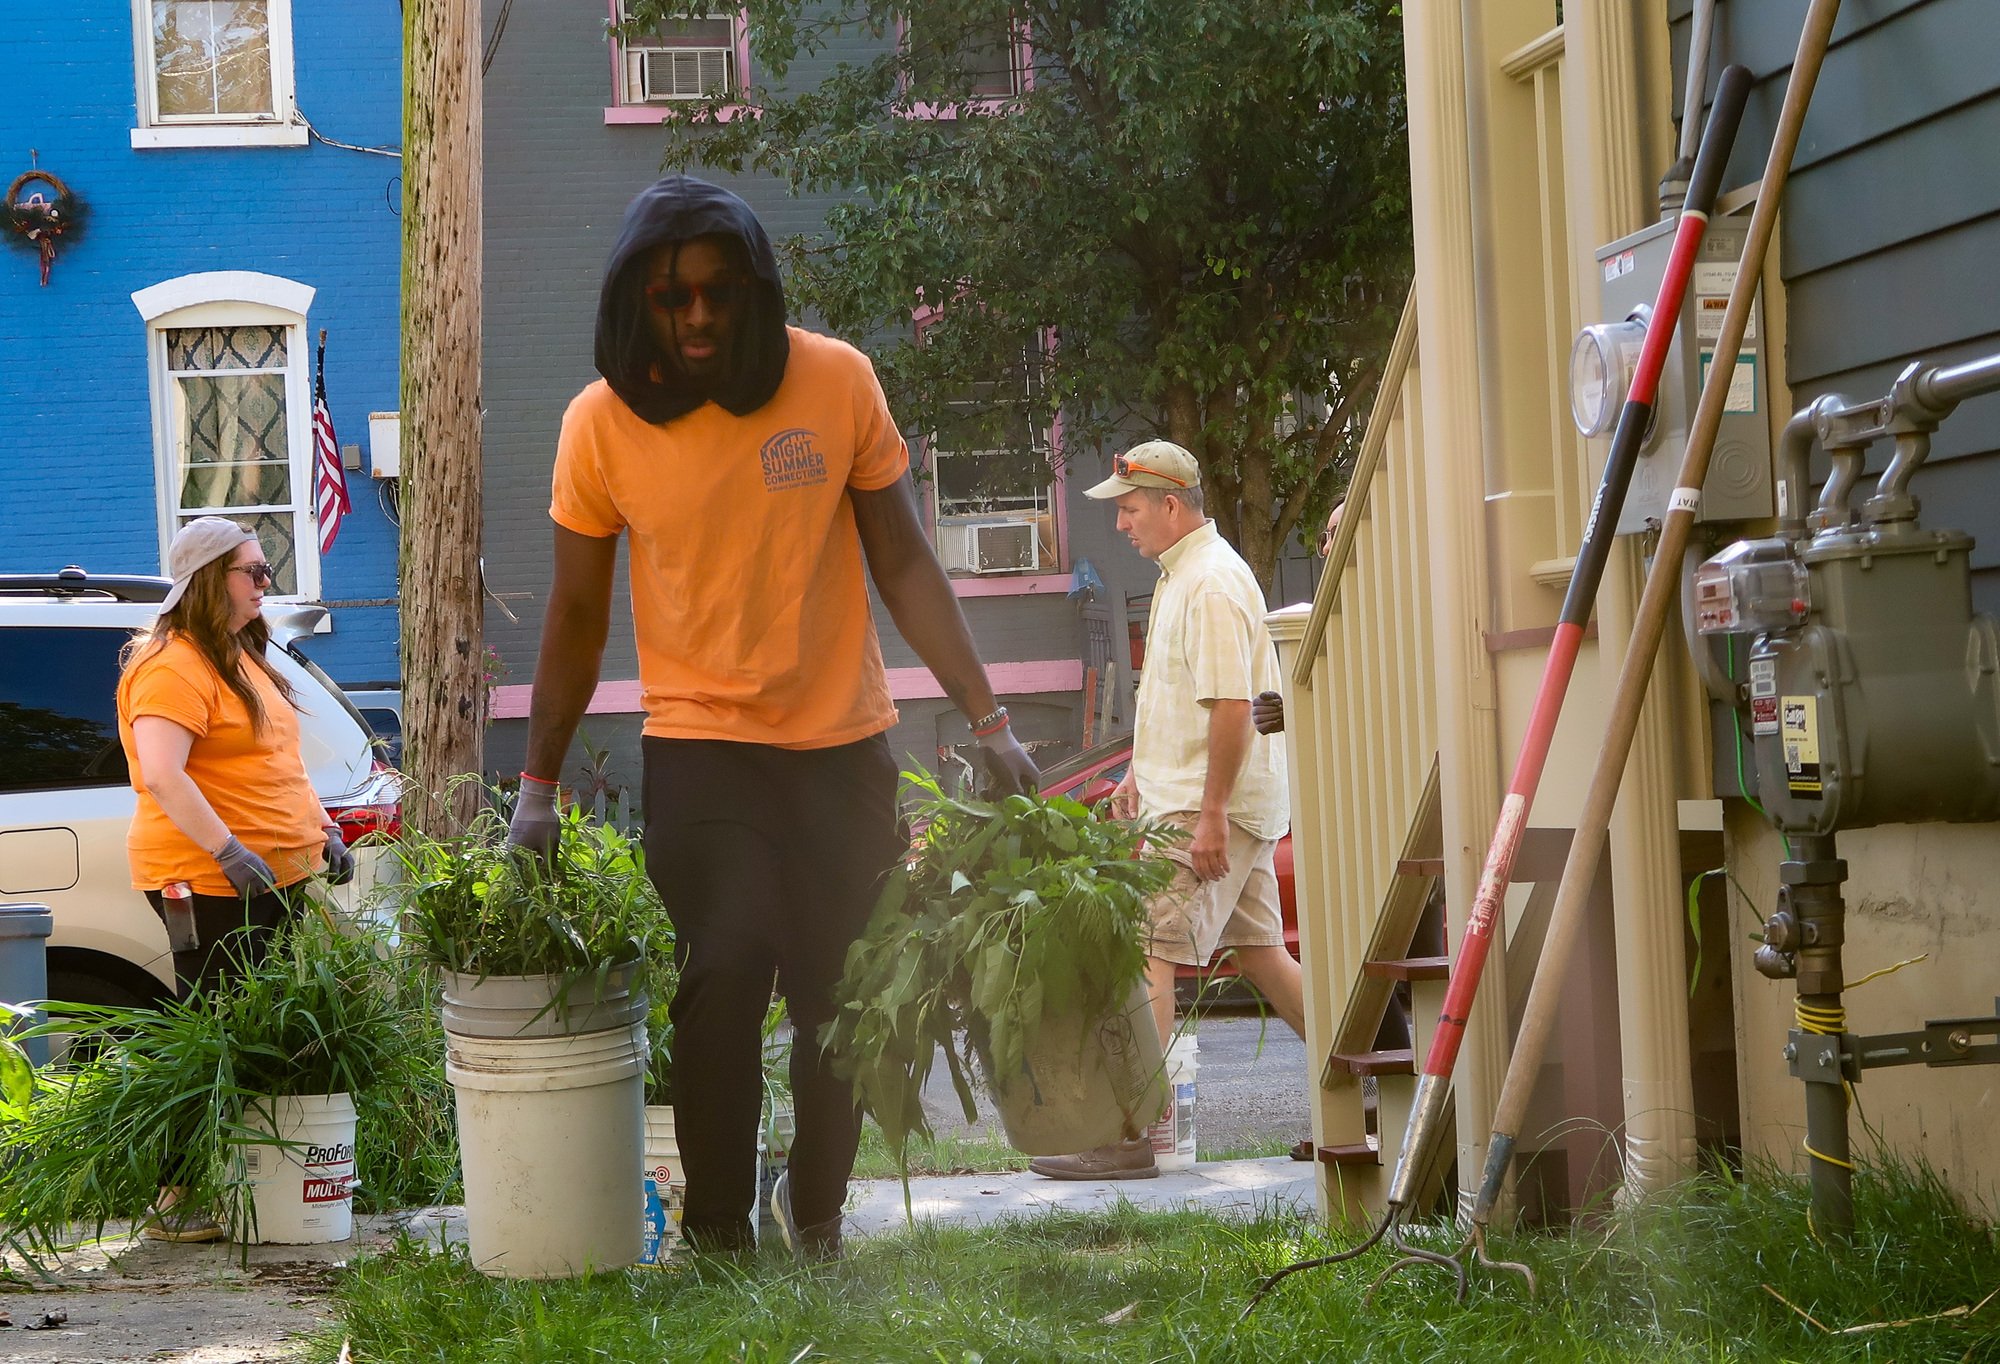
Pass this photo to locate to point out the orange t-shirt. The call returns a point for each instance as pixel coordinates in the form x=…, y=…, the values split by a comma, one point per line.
x=748, y=598
x=255, y=782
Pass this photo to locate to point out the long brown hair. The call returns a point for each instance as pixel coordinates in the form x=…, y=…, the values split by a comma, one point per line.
x=201, y=617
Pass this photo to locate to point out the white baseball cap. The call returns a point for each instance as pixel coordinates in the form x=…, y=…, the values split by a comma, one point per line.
x=197, y=544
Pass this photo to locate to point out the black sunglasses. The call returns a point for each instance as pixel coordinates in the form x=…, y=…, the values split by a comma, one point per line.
x=674, y=296
x=260, y=574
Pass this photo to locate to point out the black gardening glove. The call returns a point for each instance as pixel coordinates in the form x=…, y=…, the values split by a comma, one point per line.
x=1009, y=769
x=249, y=873
x=1267, y=713
x=339, y=861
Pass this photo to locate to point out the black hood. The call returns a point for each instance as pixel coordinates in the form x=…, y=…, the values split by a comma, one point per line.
x=678, y=208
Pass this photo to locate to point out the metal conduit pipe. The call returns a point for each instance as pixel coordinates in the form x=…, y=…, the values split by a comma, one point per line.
x=1945, y=387
x=1892, y=500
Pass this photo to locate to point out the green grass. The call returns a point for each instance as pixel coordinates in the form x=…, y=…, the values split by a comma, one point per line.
x=1684, y=1280
x=945, y=1154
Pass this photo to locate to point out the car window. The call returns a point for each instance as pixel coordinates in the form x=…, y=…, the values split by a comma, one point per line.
x=59, y=709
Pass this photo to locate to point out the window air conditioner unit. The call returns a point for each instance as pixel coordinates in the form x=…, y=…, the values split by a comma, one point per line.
x=657, y=74
x=990, y=546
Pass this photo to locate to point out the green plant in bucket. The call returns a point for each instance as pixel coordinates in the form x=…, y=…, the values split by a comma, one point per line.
x=1007, y=911
x=150, y=1097
x=475, y=906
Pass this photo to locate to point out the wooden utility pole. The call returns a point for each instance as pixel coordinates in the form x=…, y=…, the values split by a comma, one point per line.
x=444, y=693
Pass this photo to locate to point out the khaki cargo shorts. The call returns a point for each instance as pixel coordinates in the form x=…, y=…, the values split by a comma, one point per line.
x=1192, y=917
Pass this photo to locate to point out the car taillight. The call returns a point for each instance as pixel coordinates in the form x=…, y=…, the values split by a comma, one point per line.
x=358, y=821
x=378, y=817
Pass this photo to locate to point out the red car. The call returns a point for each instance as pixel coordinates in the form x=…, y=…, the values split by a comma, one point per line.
x=1091, y=775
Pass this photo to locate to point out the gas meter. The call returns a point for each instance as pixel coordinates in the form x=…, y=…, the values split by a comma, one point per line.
x=1871, y=692
x=1872, y=688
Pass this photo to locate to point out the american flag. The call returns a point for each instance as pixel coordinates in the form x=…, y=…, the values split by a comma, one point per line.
x=329, y=479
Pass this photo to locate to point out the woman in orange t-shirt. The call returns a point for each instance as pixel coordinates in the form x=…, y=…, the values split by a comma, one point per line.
x=210, y=730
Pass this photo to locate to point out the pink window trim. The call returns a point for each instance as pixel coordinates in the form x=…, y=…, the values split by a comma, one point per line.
x=615, y=115
x=621, y=112
x=1026, y=585
x=623, y=696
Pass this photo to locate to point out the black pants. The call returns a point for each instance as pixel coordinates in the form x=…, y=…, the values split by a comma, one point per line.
x=216, y=917
x=769, y=861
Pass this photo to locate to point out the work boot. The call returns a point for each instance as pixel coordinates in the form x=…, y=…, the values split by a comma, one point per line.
x=1119, y=1160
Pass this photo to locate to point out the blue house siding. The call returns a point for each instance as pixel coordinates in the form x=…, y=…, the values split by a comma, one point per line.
x=77, y=478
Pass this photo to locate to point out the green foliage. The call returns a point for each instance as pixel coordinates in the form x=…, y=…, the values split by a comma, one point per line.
x=475, y=906
x=158, y=1096
x=1008, y=911
x=1693, y=1276
x=1204, y=202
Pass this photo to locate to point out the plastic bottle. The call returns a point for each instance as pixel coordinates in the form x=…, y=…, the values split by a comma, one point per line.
x=1173, y=1135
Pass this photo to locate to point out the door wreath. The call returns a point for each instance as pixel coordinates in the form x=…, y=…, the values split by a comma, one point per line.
x=46, y=212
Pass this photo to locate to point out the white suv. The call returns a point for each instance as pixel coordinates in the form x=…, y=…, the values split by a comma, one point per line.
x=66, y=798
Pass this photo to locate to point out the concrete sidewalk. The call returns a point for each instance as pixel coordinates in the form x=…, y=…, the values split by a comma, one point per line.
x=1226, y=1188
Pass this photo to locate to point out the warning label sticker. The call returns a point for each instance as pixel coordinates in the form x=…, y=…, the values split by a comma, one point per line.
x=1708, y=313
x=1800, y=734
x=1620, y=264
x=1763, y=715
x=1763, y=677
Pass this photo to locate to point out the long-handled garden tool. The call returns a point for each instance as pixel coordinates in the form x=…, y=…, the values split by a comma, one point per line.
x=1433, y=1086
x=1656, y=603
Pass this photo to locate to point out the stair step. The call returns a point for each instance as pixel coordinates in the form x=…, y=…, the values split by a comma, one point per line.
x=1402, y=1061
x=1360, y=1153
x=1420, y=866
x=1409, y=968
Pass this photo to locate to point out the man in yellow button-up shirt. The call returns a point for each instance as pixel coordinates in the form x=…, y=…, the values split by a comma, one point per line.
x=1197, y=762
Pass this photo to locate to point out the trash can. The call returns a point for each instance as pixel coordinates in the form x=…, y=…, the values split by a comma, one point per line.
x=24, y=967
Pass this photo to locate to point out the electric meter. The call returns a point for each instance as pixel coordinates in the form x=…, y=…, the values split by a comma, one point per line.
x=1601, y=366
x=1752, y=587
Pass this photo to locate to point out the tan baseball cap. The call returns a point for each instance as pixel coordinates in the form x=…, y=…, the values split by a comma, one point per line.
x=1151, y=464
x=198, y=543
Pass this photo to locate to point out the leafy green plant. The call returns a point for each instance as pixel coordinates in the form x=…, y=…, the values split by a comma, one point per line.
x=1007, y=912
x=159, y=1096
x=477, y=907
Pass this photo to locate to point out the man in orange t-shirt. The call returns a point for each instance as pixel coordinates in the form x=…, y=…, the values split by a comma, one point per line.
x=756, y=467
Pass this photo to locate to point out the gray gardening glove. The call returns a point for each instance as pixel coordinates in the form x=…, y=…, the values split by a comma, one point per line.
x=339, y=861
x=1009, y=769
x=537, y=824
x=249, y=873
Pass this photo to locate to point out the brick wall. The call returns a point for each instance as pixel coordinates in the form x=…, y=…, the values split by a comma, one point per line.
x=77, y=482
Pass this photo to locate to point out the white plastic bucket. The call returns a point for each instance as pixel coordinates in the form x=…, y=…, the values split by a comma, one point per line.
x=666, y=1187
x=540, y=1006
x=301, y=1191
x=1085, y=1082
x=551, y=1134
x=1173, y=1134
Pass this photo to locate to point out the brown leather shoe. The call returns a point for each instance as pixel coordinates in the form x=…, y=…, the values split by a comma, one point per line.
x=1119, y=1160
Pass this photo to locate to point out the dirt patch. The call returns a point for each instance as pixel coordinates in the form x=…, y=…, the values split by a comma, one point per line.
x=123, y=1298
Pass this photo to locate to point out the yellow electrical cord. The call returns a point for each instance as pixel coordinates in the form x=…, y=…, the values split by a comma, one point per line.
x=1825, y=1023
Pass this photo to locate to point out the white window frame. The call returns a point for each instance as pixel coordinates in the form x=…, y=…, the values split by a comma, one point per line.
x=627, y=98
x=235, y=298
x=276, y=129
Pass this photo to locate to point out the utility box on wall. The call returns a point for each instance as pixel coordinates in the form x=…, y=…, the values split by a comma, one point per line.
x=1738, y=487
